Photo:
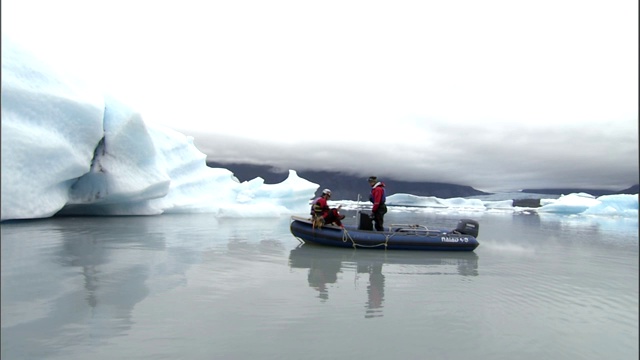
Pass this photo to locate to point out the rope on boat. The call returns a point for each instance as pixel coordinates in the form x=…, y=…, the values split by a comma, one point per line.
x=347, y=237
x=315, y=224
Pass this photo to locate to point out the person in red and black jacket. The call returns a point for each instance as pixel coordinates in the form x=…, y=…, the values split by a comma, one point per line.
x=378, y=197
x=322, y=214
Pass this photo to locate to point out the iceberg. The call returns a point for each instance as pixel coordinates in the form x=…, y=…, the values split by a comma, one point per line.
x=582, y=204
x=612, y=205
x=68, y=149
x=401, y=199
x=623, y=205
x=569, y=204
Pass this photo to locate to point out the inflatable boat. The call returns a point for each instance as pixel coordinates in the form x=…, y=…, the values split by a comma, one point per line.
x=394, y=237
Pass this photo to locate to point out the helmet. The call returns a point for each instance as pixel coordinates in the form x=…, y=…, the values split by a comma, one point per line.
x=373, y=179
x=326, y=191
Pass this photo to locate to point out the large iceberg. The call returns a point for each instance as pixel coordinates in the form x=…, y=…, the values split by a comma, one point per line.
x=68, y=149
x=586, y=204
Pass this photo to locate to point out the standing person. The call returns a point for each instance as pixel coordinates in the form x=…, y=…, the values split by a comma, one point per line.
x=322, y=214
x=378, y=198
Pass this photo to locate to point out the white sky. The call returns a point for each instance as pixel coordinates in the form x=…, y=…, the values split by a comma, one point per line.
x=498, y=95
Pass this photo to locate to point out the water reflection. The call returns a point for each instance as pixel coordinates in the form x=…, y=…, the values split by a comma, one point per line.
x=86, y=281
x=325, y=263
x=92, y=247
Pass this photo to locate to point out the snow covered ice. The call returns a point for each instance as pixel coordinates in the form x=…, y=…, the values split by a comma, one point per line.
x=620, y=205
x=68, y=149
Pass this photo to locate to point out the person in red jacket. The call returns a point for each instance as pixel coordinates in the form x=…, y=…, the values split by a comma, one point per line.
x=322, y=214
x=378, y=197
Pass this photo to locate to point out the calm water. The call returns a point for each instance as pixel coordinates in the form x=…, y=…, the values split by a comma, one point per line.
x=196, y=287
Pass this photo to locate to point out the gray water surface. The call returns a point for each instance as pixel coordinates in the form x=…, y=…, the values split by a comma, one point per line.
x=196, y=287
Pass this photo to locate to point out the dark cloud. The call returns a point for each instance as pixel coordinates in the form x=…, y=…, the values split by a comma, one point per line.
x=484, y=158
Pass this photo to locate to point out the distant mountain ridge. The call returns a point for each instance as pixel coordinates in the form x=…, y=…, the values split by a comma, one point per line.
x=348, y=187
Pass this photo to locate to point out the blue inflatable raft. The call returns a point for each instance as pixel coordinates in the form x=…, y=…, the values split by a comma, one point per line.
x=394, y=237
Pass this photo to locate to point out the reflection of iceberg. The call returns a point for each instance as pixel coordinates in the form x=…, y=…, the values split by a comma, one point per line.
x=77, y=285
x=325, y=263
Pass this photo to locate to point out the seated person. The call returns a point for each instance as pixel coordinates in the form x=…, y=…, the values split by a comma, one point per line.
x=322, y=214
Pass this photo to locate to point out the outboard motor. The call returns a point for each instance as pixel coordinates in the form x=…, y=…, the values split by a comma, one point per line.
x=468, y=227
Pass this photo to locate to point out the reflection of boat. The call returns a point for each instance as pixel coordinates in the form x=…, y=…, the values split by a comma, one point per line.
x=308, y=256
x=395, y=237
x=324, y=264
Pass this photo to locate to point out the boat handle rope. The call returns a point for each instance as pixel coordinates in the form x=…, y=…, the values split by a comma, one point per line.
x=346, y=237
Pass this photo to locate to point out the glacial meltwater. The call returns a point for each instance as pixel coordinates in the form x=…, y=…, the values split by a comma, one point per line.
x=194, y=286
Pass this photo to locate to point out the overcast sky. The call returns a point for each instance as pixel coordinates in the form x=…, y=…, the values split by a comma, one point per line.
x=498, y=95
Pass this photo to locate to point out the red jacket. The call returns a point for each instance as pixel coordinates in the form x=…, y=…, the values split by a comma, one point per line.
x=377, y=196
